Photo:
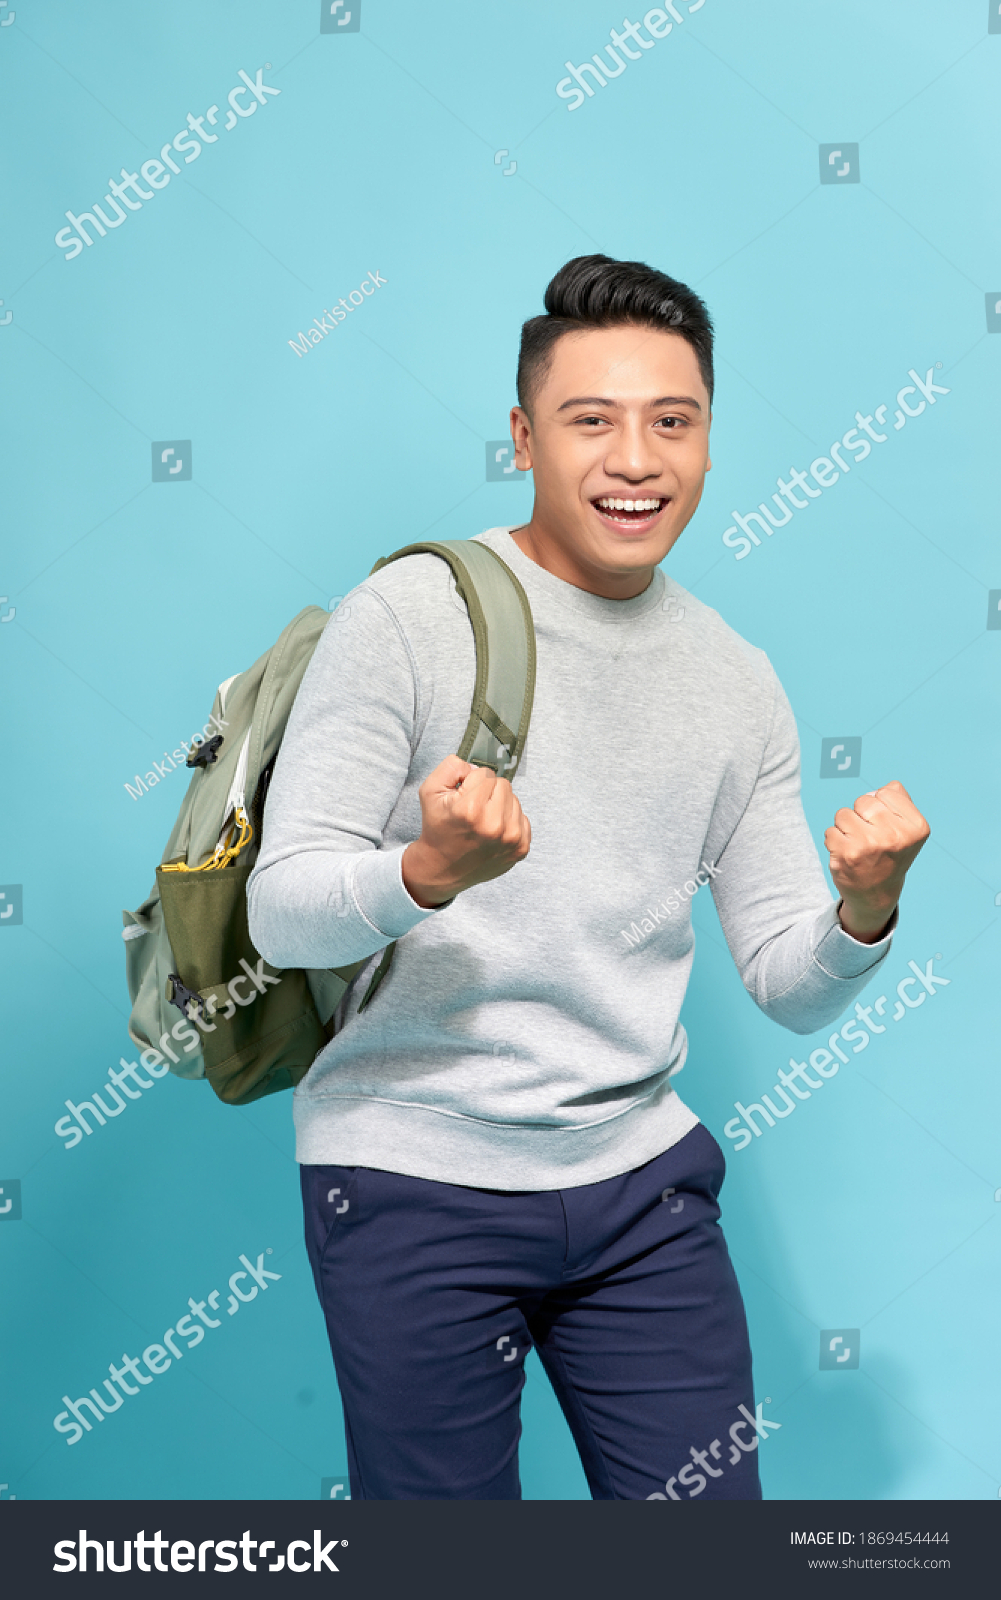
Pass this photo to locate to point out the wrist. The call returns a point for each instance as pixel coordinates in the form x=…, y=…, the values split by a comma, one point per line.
x=866, y=921
x=423, y=879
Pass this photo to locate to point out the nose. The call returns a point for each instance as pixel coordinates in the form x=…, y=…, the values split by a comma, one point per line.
x=631, y=454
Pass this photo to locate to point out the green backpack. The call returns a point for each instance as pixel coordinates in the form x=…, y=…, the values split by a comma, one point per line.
x=249, y=1028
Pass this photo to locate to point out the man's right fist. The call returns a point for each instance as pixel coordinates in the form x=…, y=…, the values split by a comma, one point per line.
x=472, y=829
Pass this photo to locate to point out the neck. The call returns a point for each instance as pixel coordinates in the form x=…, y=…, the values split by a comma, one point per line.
x=540, y=545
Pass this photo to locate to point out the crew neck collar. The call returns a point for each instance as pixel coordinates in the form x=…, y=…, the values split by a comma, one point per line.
x=597, y=607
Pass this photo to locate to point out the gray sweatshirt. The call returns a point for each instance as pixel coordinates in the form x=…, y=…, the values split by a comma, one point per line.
x=527, y=1032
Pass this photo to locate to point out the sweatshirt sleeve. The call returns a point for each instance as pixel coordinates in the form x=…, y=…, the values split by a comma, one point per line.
x=778, y=916
x=323, y=892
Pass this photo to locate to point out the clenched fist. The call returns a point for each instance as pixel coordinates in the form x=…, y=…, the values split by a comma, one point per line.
x=871, y=848
x=472, y=829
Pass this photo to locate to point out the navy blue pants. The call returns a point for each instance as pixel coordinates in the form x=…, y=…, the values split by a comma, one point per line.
x=434, y=1293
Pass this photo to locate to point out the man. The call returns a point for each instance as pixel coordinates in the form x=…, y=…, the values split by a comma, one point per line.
x=493, y=1154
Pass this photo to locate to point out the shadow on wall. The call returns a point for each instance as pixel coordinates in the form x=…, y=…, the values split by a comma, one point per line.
x=836, y=1440
x=839, y=1445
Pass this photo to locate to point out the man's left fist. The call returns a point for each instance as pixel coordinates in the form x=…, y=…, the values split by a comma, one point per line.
x=871, y=848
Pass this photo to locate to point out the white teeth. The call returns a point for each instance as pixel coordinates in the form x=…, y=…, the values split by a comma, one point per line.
x=607, y=503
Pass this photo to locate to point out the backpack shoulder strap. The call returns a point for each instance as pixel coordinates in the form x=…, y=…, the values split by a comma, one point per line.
x=504, y=634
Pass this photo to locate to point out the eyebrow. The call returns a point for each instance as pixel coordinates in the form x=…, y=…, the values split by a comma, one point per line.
x=601, y=400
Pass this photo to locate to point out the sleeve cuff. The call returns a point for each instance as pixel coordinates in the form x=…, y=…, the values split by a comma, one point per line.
x=383, y=898
x=840, y=955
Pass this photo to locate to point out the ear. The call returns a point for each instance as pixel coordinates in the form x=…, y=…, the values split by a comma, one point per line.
x=521, y=434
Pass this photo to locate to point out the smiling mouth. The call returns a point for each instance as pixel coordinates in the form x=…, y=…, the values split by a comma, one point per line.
x=622, y=512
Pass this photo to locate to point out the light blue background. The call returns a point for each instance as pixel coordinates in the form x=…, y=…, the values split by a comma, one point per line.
x=874, y=1206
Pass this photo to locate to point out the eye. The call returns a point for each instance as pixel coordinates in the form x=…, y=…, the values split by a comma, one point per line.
x=675, y=421
x=591, y=419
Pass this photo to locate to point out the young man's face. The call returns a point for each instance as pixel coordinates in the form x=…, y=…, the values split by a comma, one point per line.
x=622, y=415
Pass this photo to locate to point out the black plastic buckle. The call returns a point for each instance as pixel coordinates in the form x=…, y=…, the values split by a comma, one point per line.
x=202, y=755
x=182, y=997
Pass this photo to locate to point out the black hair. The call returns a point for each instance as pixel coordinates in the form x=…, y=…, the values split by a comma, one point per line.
x=598, y=292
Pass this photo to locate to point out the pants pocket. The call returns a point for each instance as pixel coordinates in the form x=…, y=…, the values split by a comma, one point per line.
x=330, y=1197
